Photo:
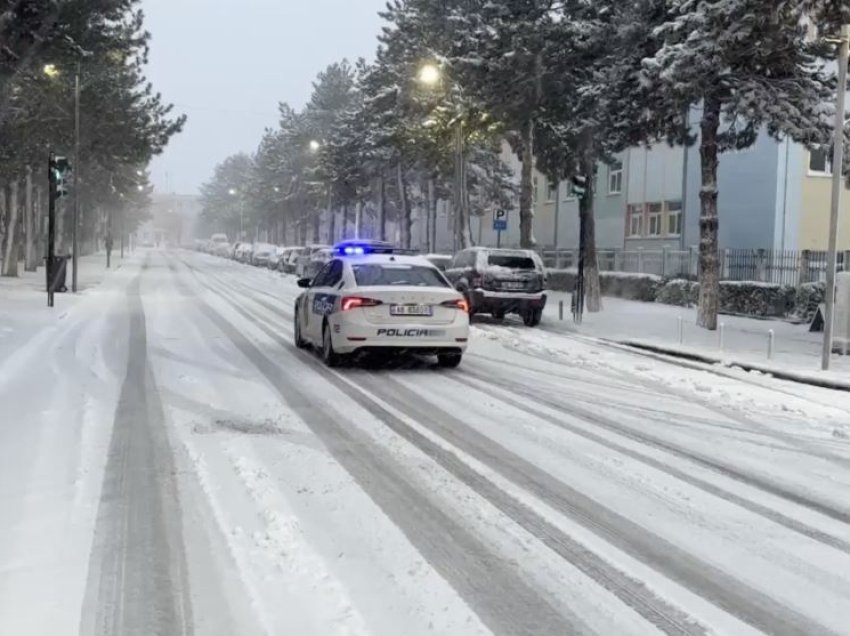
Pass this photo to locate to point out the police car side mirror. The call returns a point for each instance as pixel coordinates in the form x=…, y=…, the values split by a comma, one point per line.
x=304, y=282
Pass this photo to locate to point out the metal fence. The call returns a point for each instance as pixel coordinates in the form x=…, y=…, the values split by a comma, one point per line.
x=782, y=267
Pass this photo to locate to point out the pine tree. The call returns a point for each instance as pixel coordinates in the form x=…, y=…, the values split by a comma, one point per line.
x=749, y=68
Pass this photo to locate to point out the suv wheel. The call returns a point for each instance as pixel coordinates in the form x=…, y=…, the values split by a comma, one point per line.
x=532, y=317
x=449, y=360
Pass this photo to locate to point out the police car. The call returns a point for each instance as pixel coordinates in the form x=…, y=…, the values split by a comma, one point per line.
x=374, y=297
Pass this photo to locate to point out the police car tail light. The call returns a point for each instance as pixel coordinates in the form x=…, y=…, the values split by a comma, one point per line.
x=355, y=302
x=459, y=303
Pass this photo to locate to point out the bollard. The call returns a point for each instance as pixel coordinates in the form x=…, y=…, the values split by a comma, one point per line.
x=560, y=310
x=720, y=336
x=770, y=338
x=681, y=330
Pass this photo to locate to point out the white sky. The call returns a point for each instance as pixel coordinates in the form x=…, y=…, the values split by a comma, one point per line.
x=227, y=64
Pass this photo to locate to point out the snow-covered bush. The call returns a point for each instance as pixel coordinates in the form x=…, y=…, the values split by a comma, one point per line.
x=807, y=299
x=752, y=298
x=678, y=291
x=626, y=285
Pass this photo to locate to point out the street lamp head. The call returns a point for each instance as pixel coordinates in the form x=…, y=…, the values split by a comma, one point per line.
x=429, y=74
x=232, y=192
x=141, y=188
x=51, y=70
x=314, y=145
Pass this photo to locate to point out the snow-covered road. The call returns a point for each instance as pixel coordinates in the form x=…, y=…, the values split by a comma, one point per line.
x=188, y=470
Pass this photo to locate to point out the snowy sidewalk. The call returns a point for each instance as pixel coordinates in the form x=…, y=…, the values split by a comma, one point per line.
x=23, y=300
x=745, y=340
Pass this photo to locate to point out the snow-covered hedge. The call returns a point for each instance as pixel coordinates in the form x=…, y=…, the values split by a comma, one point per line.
x=626, y=285
x=752, y=298
x=679, y=292
x=807, y=299
x=749, y=298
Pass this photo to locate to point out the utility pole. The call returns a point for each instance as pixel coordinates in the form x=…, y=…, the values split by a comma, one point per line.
x=76, y=215
x=837, y=163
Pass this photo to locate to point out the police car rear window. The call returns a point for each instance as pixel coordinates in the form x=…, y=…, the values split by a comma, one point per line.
x=511, y=261
x=374, y=275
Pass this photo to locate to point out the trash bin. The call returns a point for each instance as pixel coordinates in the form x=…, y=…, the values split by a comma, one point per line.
x=59, y=274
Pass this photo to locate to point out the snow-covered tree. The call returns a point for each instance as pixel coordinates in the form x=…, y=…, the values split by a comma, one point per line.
x=749, y=68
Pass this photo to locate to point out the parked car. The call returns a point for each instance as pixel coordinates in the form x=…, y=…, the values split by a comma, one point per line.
x=234, y=249
x=244, y=252
x=305, y=257
x=274, y=259
x=441, y=261
x=289, y=262
x=261, y=254
x=318, y=260
x=500, y=282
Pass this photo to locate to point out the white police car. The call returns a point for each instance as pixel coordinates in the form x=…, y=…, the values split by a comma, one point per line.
x=373, y=297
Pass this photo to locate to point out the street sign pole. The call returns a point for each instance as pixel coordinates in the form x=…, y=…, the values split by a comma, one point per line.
x=500, y=224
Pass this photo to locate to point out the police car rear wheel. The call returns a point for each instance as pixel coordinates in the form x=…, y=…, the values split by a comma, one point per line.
x=331, y=358
x=299, y=341
x=449, y=360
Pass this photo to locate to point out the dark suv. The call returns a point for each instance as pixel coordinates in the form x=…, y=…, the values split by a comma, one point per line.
x=500, y=281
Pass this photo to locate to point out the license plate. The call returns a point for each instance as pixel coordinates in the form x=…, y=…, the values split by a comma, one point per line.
x=513, y=285
x=410, y=310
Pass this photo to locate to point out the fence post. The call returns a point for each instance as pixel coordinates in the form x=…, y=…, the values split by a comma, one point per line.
x=681, y=328
x=803, y=268
x=720, y=331
x=770, y=337
x=640, y=260
x=664, y=251
x=724, y=270
x=560, y=310
x=761, y=269
x=693, y=264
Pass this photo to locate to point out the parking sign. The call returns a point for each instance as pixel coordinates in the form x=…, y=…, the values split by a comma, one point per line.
x=500, y=220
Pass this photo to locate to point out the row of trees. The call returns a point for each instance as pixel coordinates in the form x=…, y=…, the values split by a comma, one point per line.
x=44, y=46
x=568, y=83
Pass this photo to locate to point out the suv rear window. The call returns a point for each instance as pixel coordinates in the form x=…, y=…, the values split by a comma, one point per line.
x=373, y=275
x=511, y=261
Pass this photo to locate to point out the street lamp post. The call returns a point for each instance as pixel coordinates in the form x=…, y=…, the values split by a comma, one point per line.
x=430, y=75
x=837, y=162
x=76, y=174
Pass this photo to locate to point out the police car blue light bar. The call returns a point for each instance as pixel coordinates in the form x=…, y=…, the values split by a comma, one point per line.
x=363, y=247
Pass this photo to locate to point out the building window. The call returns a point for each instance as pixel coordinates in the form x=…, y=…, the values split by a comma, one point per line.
x=820, y=161
x=654, y=214
x=551, y=190
x=634, y=222
x=615, y=177
x=674, y=218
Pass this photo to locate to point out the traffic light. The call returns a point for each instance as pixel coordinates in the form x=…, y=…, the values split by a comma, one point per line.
x=59, y=169
x=579, y=186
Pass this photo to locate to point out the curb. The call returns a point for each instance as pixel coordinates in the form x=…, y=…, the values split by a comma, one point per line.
x=695, y=357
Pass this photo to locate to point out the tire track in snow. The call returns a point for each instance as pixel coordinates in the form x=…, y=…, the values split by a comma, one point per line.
x=633, y=434
x=137, y=581
x=751, y=506
x=711, y=583
x=491, y=586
